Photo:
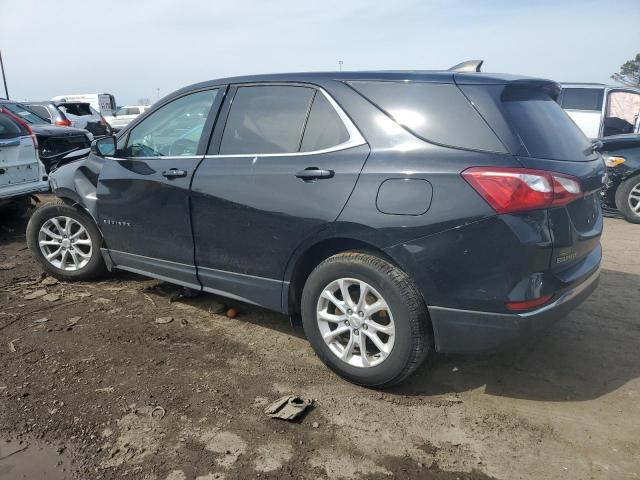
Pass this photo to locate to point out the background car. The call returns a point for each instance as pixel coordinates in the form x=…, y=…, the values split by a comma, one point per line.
x=621, y=154
x=49, y=111
x=83, y=115
x=124, y=115
x=601, y=110
x=21, y=171
x=53, y=140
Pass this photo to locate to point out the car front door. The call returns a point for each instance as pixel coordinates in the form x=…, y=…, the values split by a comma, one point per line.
x=279, y=169
x=143, y=193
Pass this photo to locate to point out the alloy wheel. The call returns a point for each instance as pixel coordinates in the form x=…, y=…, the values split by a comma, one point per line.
x=355, y=322
x=634, y=199
x=65, y=243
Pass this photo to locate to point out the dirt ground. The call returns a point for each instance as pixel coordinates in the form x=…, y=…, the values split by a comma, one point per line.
x=93, y=387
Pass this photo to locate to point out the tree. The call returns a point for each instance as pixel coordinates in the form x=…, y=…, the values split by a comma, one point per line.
x=629, y=73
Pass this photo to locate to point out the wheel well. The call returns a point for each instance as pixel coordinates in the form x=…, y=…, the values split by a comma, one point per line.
x=315, y=255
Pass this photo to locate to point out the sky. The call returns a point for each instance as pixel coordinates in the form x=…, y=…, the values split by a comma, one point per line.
x=140, y=48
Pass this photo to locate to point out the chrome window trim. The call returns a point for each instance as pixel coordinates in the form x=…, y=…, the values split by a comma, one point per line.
x=355, y=137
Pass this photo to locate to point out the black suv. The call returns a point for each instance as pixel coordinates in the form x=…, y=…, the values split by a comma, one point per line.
x=396, y=212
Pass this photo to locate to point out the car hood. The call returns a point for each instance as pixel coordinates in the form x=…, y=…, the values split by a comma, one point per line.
x=56, y=131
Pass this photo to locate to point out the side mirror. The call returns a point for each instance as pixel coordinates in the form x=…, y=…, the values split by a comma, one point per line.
x=104, y=146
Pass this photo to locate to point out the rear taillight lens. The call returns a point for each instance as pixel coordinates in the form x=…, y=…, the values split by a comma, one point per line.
x=64, y=122
x=510, y=190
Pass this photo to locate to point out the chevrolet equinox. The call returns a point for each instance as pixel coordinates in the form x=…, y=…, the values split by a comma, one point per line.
x=396, y=213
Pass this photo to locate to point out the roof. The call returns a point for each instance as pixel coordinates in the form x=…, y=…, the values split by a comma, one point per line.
x=435, y=76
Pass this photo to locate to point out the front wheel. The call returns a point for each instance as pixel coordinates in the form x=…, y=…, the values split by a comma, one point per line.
x=365, y=319
x=628, y=199
x=66, y=242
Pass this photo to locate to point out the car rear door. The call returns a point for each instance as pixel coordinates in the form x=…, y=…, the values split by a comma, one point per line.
x=281, y=167
x=143, y=193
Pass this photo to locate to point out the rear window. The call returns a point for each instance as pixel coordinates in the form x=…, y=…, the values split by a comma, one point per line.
x=77, y=109
x=435, y=112
x=529, y=121
x=545, y=130
x=24, y=113
x=40, y=110
x=9, y=128
x=582, y=99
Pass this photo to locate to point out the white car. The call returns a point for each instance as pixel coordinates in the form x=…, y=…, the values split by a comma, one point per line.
x=21, y=172
x=125, y=115
x=601, y=110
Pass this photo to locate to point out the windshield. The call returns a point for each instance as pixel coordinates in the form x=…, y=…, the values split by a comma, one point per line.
x=24, y=113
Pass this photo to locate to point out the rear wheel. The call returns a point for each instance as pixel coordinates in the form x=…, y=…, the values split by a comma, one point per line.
x=66, y=242
x=365, y=319
x=628, y=199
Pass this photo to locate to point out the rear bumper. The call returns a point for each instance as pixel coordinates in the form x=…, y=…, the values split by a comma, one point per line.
x=468, y=331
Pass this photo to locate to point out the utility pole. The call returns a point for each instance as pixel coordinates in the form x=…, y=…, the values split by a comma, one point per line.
x=340, y=62
x=4, y=79
x=158, y=93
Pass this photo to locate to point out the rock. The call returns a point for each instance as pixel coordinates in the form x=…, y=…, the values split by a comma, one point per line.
x=164, y=320
x=102, y=301
x=41, y=320
x=35, y=294
x=315, y=425
x=51, y=297
x=48, y=281
x=217, y=308
x=7, y=266
x=74, y=320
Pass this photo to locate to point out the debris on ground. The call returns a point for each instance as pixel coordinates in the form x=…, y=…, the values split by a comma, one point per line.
x=51, y=297
x=12, y=345
x=7, y=266
x=288, y=407
x=49, y=281
x=35, y=294
x=164, y=320
x=232, y=313
x=217, y=308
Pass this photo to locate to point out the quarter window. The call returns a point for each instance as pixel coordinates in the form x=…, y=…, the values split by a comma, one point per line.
x=40, y=110
x=582, y=99
x=174, y=129
x=324, y=128
x=266, y=119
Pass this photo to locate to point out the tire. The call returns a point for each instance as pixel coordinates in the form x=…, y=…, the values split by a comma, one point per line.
x=629, y=192
x=90, y=263
x=406, y=316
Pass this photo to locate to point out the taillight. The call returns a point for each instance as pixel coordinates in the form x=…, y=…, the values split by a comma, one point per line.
x=510, y=190
x=64, y=122
x=24, y=124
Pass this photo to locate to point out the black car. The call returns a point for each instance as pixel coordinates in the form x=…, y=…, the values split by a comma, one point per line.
x=621, y=154
x=396, y=212
x=53, y=140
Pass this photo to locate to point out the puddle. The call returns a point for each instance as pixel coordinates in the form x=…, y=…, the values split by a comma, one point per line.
x=29, y=460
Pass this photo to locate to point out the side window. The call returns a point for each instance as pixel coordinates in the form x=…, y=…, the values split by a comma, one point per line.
x=324, y=127
x=173, y=130
x=582, y=99
x=40, y=110
x=266, y=119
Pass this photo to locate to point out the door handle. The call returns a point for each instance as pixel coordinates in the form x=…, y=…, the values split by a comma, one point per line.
x=174, y=173
x=314, y=173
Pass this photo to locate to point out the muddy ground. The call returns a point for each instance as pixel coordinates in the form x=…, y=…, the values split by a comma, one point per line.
x=92, y=387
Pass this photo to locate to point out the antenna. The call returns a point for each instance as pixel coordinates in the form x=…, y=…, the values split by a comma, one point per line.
x=468, y=66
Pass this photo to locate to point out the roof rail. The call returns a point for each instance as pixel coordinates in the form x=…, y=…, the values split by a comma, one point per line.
x=468, y=66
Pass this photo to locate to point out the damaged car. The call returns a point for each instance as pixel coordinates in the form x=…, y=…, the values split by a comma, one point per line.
x=394, y=213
